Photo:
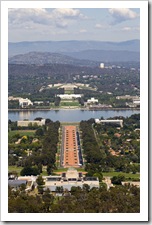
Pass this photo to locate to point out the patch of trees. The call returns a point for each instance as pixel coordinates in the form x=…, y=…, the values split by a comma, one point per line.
x=118, y=179
x=57, y=101
x=133, y=120
x=97, y=201
x=119, y=199
x=47, y=94
x=91, y=148
x=21, y=202
x=49, y=143
x=46, y=155
x=33, y=154
x=100, y=139
x=81, y=101
x=13, y=104
x=123, y=142
x=28, y=171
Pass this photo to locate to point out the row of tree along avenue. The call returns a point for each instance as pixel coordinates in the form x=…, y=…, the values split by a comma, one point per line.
x=108, y=150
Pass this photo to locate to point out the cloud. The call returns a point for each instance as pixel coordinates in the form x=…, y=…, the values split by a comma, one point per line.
x=98, y=25
x=130, y=29
x=122, y=14
x=56, y=17
x=17, y=16
x=102, y=26
x=67, y=13
x=126, y=28
x=83, y=31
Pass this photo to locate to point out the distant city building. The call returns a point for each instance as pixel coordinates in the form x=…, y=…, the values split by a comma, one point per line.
x=92, y=100
x=100, y=106
x=69, y=96
x=16, y=183
x=132, y=183
x=25, y=123
x=38, y=102
x=136, y=102
x=109, y=121
x=128, y=97
x=22, y=102
x=25, y=102
x=11, y=98
x=102, y=65
x=107, y=181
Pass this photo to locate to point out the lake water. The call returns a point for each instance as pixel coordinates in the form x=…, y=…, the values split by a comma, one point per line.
x=68, y=115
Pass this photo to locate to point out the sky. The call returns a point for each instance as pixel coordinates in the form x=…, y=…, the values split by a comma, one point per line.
x=58, y=24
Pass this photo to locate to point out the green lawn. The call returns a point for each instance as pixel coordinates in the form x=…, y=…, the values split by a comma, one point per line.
x=65, y=169
x=69, y=92
x=18, y=169
x=127, y=175
x=21, y=132
x=14, y=168
x=44, y=173
x=69, y=103
x=70, y=123
x=60, y=170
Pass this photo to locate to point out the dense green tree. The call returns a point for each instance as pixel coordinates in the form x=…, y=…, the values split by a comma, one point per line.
x=117, y=179
x=28, y=171
x=39, y=132
x=40, y=184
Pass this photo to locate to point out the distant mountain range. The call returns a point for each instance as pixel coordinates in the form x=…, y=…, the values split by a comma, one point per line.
x=84, y=58
x=105, y=56
x=71, y=46
x=40, y=58
x=73, y=52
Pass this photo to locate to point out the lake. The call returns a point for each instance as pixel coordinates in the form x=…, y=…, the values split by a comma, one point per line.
x=65, y=115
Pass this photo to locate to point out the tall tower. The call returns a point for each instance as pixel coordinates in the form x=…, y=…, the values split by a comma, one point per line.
x=101, y=65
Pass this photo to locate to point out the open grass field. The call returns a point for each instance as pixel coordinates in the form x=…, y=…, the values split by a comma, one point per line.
x=21, y=132
x=14, y=168
x=69, y=92
x=69, y=123
x=65, y=169
x=18, y=170
x=69, y=103
x=127, y=175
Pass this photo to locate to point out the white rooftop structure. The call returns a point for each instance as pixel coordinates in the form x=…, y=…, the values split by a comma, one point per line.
x=25, y=123
x=69, y=96
x=92, y=100
x=70, y=178
x=25, y=102
x=110, y=121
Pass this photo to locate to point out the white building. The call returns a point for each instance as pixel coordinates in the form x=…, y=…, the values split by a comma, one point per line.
x=102, y=65
x=25, y=123
x=70, y=178
x=136, y=102
x=11, y=98
x=92, y=100
x=109, y=121
x=25, y=102
x=69, y=96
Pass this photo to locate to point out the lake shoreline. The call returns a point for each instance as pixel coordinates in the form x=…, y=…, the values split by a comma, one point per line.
x=69, y=115
x=81, y=109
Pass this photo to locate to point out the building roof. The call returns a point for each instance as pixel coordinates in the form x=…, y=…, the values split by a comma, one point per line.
x=16, y=183
x=68, y=186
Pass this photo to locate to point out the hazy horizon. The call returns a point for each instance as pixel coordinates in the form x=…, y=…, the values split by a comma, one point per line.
x=65, y=24
x=74, y=40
